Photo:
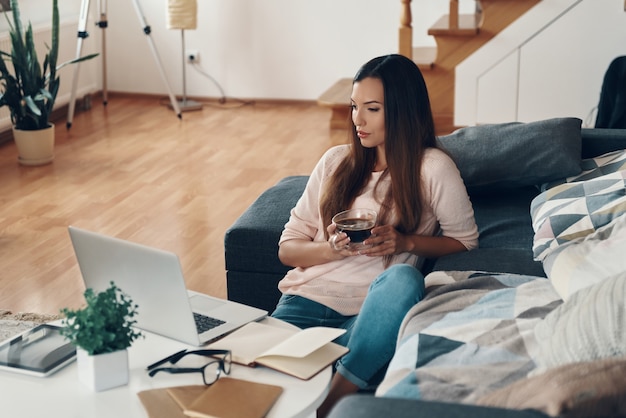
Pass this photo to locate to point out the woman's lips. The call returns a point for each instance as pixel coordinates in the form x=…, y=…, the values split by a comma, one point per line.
x=362, y=134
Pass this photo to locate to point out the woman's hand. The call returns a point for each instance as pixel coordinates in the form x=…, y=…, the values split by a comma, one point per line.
x=338, y=242
x=385, y=240
x=306, y=253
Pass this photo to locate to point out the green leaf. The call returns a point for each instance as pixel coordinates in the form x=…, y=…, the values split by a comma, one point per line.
x=30, y=90
x=105, y=324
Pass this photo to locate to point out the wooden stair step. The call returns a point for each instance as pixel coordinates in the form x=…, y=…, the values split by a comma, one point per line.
x=337, y=98
x=425, y=56
x=468, y=26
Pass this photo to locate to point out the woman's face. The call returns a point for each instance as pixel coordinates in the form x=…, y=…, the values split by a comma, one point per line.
x=368, y=111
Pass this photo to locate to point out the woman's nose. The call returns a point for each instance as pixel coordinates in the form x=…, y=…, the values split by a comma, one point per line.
x=357, y=119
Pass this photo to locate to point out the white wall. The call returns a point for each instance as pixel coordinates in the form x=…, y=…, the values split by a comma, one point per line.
x=550, y=63
x=296, y=49
x=283, y=49
x=276, y=49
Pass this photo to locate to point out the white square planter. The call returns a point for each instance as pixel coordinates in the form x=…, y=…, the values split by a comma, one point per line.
x=102, y=371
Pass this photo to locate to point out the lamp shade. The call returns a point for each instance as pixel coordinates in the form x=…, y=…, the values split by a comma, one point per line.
x=181, y=14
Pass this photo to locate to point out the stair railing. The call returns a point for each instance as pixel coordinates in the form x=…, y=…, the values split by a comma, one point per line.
x=405, y=32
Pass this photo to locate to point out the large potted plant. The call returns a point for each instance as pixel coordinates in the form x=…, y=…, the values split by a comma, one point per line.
x=102, y=331
x=30, y=90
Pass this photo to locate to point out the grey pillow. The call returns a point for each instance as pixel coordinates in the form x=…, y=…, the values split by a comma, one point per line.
x=515, y=154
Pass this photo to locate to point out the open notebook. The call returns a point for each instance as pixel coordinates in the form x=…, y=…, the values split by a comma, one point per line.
x=299, y=353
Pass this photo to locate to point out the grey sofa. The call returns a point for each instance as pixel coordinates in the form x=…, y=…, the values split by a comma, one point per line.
x=501, y=173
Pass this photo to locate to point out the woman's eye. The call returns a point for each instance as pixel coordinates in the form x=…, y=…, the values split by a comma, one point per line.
x=373, y=109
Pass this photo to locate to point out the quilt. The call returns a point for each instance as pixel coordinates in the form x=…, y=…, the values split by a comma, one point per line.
x=472, y=334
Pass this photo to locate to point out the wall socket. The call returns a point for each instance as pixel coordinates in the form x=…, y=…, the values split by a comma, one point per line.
x=193, y=56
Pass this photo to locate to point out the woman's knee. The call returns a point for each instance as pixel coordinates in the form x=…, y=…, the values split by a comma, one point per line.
x=403, y=270
x=403, y=277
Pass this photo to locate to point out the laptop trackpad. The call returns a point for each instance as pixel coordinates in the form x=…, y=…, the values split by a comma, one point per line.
x=203, y=304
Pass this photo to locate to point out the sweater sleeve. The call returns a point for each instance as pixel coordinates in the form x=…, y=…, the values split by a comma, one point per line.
x=450, y=204
x=305, y=221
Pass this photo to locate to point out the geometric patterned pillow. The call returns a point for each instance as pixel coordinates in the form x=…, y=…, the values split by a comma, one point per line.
x=581, y=264
x=571, y=211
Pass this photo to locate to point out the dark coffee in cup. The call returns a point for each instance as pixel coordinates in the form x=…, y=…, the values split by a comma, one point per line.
x=357, y=229
x=357, y=224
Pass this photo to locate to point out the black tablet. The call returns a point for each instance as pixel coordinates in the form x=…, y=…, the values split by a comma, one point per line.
x=39, y=351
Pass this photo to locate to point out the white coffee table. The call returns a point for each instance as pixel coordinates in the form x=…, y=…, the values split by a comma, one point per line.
x=62, y=395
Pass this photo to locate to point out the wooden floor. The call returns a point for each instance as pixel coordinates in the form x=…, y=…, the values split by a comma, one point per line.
x=132, y=169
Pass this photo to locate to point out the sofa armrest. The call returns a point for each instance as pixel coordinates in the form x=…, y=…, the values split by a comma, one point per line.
x=251, y=245
x=596, y=141
x=365, y=406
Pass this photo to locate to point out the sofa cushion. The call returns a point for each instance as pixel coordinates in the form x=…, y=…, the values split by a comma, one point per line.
x=515, y=154
x=589, y=326
x=501, y=260
x=505, y=236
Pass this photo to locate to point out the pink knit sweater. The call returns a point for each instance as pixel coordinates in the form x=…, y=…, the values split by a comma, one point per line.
x=342, y=285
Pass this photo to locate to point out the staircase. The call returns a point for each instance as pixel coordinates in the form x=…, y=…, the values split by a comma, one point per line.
x=457, y=36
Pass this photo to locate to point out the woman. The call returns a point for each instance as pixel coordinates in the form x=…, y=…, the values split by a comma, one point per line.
x=392, y=166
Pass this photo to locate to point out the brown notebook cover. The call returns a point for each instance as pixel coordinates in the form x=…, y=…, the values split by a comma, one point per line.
x=184, y=396
x=159, y=404
x=234, y=398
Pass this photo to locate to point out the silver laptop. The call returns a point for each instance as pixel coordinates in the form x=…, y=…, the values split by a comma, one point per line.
x=153, y=279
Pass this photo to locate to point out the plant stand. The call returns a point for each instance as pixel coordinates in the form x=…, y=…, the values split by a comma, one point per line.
x=34, y=147
x=102, y=371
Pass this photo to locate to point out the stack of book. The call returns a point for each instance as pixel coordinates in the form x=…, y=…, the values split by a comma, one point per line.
x=226, y=398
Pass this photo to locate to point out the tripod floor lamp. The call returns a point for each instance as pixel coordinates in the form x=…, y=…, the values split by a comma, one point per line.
x=182, y=15
x=103, y=24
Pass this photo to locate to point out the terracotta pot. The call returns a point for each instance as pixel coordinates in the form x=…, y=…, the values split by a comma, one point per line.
x=34, y=147
x=102, y=371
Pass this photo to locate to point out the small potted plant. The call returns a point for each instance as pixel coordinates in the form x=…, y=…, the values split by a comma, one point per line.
x=29, y=89
x=102, y=331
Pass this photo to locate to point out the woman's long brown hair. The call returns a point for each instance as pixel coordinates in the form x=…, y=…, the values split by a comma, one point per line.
x=409, y=130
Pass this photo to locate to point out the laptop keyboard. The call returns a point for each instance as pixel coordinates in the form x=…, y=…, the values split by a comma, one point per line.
x=205, y=323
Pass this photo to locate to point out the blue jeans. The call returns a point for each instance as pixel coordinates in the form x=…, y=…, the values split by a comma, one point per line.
x=371, y=335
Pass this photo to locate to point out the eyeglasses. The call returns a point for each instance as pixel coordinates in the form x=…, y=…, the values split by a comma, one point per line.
x=210, y=371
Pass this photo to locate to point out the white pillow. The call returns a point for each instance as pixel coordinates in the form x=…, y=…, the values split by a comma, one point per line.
x=579, y=264
x=591, y=325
